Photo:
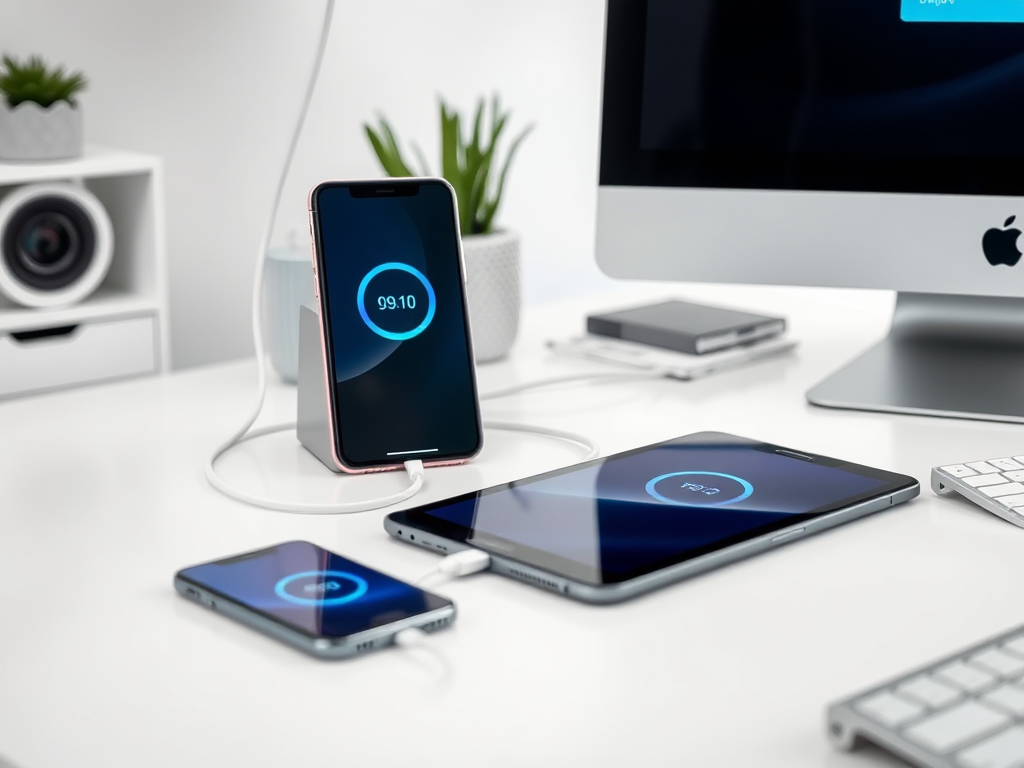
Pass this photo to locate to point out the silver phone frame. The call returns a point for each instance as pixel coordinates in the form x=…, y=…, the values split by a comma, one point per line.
x=626, y=590
x=345, y=647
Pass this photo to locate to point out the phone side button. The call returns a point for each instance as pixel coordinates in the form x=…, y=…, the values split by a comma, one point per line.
x=787, y=536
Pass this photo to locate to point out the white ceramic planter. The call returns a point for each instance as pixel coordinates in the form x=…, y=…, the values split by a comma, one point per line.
x=31, y=132
x=494, y=289
x=287, y=285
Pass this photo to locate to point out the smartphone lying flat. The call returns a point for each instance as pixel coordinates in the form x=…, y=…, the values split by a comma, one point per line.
x=317, y=601
x=617, y=527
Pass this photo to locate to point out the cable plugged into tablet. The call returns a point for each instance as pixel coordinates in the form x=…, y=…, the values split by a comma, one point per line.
x=454, y=566
x=458, y=564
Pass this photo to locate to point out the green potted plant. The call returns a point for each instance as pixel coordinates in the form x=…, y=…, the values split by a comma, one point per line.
x=39, y=117
x=470, y=163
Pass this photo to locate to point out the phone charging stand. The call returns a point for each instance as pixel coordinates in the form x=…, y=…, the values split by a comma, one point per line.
x=313, y=425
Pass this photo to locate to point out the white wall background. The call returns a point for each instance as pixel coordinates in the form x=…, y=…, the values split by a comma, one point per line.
x=213, y=86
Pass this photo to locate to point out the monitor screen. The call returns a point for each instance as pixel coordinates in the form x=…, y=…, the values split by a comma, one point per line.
x=873, y=95
x=833, y=143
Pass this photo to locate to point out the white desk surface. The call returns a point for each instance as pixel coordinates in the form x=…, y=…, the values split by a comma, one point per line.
x=102, y=499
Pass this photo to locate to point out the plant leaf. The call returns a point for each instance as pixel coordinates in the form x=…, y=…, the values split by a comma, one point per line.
x=393, y=150
x=477, y=169
x=36, y=81
x=450, y=161
x=386, y=148
x=421, y=159
x=492, y=209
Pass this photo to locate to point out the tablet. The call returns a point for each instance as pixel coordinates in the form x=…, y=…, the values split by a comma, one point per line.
x=616, y=527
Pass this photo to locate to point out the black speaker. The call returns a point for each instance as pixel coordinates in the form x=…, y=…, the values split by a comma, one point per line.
x=56, y=244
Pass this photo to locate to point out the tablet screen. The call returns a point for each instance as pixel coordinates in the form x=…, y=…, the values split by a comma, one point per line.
x=633, y=513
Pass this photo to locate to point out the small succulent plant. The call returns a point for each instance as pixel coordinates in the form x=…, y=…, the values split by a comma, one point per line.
x=35, y=80
x=468, y=164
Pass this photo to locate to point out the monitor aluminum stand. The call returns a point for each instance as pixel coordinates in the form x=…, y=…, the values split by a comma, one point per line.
x=945, y=355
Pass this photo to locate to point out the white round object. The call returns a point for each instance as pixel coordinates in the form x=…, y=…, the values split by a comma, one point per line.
x=287, y=285
x=23, y=279
x=494, y=292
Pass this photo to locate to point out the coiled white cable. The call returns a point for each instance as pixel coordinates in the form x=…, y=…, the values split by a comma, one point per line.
x=414, y=469
x=257, y=288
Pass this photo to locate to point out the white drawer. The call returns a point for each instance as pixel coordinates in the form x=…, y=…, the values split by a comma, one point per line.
x=93, y=351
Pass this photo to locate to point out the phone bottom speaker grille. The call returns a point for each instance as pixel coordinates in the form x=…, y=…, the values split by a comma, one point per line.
x=436, y=625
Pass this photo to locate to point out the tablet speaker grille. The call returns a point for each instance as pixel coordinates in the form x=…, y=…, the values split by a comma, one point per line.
x=535, y=579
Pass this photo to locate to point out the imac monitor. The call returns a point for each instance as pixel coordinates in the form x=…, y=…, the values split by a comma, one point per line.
x=866, y=144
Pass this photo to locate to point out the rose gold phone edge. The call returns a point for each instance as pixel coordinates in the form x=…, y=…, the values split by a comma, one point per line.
x=314, y=234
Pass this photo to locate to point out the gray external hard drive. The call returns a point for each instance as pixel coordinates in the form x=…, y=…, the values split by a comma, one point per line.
x=685, y=327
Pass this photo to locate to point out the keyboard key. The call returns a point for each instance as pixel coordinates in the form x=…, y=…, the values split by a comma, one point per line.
x=982, y=467
x=889, y=710
x=1015, y=645
x=1009, y=697
x=955, y=727
x=1007, y=489
x=1004, y=750
x=966, y=677
x=1016, y=477
x=1005, y=664
x=1012, y=502
x=929, y=691
x=1005, y=464
x=958, y=470
x=1019, y=458
x=980, y=481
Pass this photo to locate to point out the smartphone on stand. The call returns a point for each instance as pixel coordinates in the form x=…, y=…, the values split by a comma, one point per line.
x=394, y=323
x=317, y=601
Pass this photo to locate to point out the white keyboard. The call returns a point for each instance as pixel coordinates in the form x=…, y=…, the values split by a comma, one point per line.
x=994, y=484
x=965, y=711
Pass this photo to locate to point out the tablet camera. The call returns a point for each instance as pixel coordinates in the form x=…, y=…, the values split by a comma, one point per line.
x=699, y=489
x=321, y=588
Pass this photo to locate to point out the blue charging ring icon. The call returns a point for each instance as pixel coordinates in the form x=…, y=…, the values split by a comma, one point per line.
x=280, y=589
x=747, y=488
x=361, y=301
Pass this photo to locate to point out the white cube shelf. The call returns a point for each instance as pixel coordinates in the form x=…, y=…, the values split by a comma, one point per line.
x=122, y=329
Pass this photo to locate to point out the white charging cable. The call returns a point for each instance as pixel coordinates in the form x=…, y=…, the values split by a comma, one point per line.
x=457, y=565
x=257, y=288
x=454, y=566
x=650, y=373
x=414, y=469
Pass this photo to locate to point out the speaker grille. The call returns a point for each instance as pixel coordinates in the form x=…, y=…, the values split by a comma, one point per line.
x=535, y=579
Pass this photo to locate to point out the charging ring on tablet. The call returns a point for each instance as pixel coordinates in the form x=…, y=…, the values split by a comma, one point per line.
x=320, y=583
x=700, y=490
x=393, y=335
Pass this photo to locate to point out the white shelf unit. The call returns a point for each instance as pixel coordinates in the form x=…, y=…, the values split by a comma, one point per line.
x=122, y=329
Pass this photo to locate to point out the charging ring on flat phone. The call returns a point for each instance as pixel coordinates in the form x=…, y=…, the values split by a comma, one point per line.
x=699, y=491
x=392, y=335
x=329, y=583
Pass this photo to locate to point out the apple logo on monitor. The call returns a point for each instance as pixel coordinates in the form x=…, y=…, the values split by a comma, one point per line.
x=1000, y=245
